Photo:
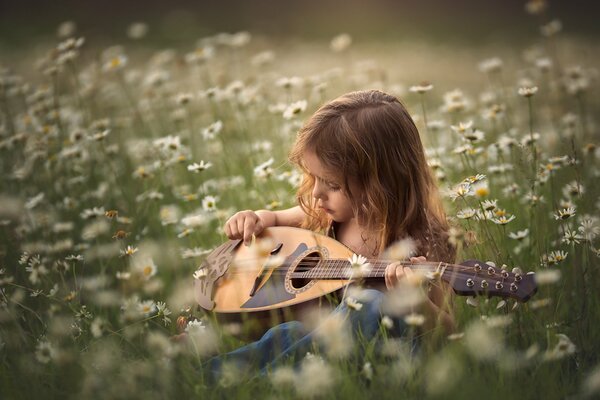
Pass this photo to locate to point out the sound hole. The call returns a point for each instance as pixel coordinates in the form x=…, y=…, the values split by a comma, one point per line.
x=304, y=269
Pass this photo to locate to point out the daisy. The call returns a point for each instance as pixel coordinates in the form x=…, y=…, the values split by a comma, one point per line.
x=474, y=136
x=129, y=251
x=466, y=213
x=528, y=91
x=288, y=83
x=571, y=237
x=461, y=190
x=294, y=109
x=503, y=220
x=147, y=307
x=573, y=189
x=565, y=213
x=556, y=257
x=116, y=63
x=589, y=229
x=209, y=203
x=264, y=170
x=422, y=88
x=197, y=167
x=92, y=213
x=519, y=235
x=184, y=98
x=481, y=188
x=489, y=205
x=211, y=131
x=565, y=347
x=359, y=267
x=353, y=304
x=145, y=266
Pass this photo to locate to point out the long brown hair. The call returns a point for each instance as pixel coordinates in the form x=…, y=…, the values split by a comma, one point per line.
x=369, y=137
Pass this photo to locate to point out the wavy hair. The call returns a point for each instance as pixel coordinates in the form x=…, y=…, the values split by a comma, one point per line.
x=370, y=138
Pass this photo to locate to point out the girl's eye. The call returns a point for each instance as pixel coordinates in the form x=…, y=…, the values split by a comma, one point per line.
x=333, y=187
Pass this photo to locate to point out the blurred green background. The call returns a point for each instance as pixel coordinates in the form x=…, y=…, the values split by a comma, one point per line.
x=26, y=23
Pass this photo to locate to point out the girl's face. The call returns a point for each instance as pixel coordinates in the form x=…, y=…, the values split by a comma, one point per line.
x=328, y=189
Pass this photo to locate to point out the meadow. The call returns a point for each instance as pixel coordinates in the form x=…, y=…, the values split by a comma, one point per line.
x=120, y=165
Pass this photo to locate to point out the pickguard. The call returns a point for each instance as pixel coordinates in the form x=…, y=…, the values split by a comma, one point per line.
x=274, y=291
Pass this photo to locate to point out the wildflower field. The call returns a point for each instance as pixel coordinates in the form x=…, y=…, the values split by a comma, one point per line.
x=120, y=165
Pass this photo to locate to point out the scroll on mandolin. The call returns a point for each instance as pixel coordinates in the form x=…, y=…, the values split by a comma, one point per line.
x=293, y=266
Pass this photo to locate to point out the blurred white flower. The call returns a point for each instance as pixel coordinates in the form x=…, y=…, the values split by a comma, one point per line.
x=483, y=342
x=519, y=235
x=116, y=63
x=353, y=304
x=294, y=109
x=414, y=319
x=565, y=347
x=387, y=322
x=340, y=42
x=143, y=266
x=490, y=65
x=422, y=88
x=137, y=30
x=211, y=131
x=45, y=352
x=547, y=276
x=401, y=249
x=321, y=375
x=264, y=170
x=528, y=91
x=66, y=29
x=591, y=384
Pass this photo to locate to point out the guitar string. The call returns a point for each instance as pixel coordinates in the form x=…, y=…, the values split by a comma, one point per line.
x=335, y=269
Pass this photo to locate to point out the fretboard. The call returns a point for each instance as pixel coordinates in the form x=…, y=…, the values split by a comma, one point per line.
x=342, y=269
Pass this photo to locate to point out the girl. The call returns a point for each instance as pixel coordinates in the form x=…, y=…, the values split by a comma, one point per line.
x=366, y=183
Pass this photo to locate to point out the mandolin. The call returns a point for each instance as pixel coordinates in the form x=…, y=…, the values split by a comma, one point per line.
x=290, y=266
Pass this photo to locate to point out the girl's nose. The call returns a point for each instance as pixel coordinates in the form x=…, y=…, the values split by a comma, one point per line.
x=318, y=192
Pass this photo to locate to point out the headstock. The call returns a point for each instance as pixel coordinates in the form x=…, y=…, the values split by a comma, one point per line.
x=477, y=278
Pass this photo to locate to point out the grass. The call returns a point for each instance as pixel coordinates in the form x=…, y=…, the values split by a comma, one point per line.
x=94, y=155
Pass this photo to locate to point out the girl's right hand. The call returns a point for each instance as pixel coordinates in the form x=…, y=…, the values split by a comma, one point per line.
x=242, y=225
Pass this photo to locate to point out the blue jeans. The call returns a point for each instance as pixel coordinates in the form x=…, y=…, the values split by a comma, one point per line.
x=291, y=340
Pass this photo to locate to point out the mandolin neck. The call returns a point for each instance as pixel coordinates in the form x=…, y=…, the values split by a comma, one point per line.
x=333, y=268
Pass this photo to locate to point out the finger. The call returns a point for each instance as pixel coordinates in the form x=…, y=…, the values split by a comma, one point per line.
x=388, y=284
x=227, y=230
x=399, y=274
x=259, y=227
x=390, y=272
x=248, y=230
x=240, y=227
x=235, y=234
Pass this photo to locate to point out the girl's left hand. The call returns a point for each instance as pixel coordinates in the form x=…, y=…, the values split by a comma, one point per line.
x=395, y=272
